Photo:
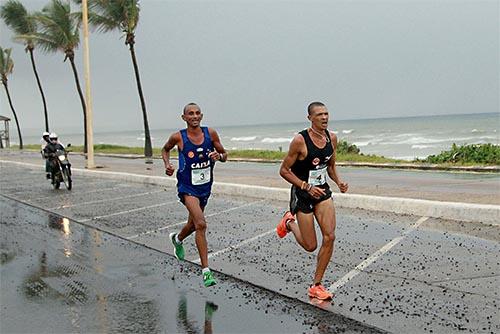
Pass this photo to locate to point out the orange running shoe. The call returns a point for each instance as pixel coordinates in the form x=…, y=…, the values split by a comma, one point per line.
x=282, y=229
x=319, y=291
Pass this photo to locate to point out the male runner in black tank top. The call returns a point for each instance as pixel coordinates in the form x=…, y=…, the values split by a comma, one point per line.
x=310, y=158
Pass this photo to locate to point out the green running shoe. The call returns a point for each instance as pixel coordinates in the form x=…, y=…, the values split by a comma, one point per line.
x=178, y=248
x=208, y=279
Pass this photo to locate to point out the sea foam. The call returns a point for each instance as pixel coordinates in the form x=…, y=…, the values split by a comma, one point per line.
x=249, y=138
x=276, y=140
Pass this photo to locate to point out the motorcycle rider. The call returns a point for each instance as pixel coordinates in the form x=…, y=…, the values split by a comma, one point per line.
x=44, y=141
x=50, y=151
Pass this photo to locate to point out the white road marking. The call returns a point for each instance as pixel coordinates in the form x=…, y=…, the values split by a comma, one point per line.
x=372, y=258
x=79, y=192
x=230, y=248
x=105, y=200
x=185, y=221
x=127, y=211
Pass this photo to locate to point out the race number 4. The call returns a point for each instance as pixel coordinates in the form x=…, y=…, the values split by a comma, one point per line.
x=317, y=177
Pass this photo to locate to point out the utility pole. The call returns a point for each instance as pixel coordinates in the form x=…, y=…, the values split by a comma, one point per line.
x=86, y=68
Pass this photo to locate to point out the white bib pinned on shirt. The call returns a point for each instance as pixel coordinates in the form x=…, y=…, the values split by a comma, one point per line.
x=200, y=176
x=317, y=177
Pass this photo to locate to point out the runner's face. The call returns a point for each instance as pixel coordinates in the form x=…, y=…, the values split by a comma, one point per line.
x=192, y=116
x=319, y=117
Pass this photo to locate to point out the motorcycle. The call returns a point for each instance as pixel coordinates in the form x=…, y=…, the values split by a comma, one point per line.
x=61, y=170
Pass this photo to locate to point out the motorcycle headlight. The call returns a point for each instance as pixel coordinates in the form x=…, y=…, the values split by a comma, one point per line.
x=61, y=157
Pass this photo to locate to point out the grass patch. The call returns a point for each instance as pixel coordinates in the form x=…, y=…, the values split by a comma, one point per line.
x=352, y=157
x=256, y=154
x=466, y=155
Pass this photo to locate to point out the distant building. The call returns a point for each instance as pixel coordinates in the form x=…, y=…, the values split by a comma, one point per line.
x=4, y=133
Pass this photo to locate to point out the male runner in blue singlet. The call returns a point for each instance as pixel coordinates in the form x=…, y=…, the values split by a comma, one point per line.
x=199, y=147
x=310, y=158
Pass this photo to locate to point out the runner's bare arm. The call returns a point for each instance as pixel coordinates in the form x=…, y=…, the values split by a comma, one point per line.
x=332, y=168
x=175, y=139
x=219, y=153
x=298, y=151
x=294, y=152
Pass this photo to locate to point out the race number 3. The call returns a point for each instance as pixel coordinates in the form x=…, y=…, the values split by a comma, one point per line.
x=200, y=176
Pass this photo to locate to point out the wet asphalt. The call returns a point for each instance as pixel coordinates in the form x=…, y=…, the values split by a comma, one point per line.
x=466, y=187
x=96, y=259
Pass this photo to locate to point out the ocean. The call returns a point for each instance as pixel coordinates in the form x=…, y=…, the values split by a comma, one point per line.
x=401, y=138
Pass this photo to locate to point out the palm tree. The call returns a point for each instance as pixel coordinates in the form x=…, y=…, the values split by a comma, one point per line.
x=59, y=31
x=6, y=67
x=123, y=15
x=17, y=18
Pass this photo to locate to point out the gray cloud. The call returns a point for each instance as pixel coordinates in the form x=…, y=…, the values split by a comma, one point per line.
x=252, y=62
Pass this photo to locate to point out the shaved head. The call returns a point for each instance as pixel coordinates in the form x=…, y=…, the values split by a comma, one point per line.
x=189, y=105
x=312, y=105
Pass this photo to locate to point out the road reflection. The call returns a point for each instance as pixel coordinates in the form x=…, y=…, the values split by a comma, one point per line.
x=67, y=280
x=189, y=325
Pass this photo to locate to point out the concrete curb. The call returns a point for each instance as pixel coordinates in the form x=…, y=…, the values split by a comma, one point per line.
x=407, y=166
x=484, y=213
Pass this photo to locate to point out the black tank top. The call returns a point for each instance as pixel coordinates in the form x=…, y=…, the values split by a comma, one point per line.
x=313, y=169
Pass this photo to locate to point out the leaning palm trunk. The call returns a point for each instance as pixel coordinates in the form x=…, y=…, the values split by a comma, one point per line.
x=148, y=149
x=30, y=49
x=71, y=56
x=15, y=116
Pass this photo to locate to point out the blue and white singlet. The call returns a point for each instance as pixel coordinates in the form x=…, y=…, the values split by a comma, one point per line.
x=195, y=173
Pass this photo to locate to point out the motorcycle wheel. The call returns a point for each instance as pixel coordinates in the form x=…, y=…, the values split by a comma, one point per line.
x=67, y=179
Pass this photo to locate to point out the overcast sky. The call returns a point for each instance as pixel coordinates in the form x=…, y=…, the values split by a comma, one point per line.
x=255, y=62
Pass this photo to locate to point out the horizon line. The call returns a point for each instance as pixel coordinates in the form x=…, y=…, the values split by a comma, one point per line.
x=305, y=121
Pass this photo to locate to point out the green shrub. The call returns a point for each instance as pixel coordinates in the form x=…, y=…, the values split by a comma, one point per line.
x=474, y=153
x=344, y=147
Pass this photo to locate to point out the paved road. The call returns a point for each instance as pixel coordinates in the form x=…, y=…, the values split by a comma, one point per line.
x=392, y=272
x=59, y=276
x=483, y=188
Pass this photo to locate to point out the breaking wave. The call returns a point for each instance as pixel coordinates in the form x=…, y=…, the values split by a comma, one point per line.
x=249, y=138
x=276, y=140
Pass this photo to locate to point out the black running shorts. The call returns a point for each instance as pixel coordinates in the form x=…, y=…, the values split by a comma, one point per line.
x=300, y=200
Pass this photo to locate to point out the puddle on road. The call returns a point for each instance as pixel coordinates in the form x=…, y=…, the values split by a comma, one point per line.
x=60, y=276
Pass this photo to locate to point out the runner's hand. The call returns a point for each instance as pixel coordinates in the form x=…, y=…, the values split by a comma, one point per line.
x=214, y=155
x=343, y=187
x=169, y=169
x=316, y=192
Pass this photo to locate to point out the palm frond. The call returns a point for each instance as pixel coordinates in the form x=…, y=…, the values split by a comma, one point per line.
x=45, y=42
x=108, y=15
x=58, y=27
x=6, y=63
x=19, y=20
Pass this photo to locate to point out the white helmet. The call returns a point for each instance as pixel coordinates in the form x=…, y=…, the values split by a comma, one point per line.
x=53, y=135
x=45, y=134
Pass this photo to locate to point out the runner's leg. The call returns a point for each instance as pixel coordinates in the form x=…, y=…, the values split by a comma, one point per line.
x=193, y=205
x=187, y=229
x=304, y=232
x=325, y=215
